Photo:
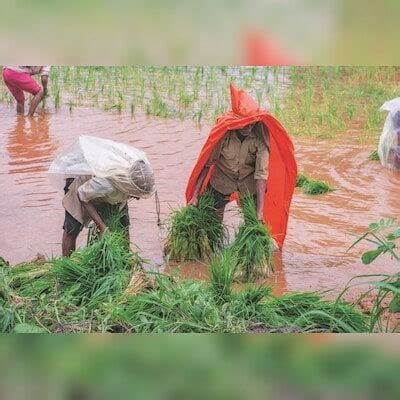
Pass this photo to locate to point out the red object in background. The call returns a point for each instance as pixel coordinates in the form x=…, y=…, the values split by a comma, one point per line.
x=282, y=169
x=260, y=50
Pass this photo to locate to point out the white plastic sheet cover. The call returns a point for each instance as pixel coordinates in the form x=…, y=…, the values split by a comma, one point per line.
x=125, y=167
x=389, y=143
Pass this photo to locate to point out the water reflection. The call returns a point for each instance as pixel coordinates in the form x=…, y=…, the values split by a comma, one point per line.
x=30, y=146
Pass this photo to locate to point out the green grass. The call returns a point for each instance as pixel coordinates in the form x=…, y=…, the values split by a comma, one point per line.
x=374, y=156
x=312, y=186
x=194, y=233
x=253, y=245
x=384, y=288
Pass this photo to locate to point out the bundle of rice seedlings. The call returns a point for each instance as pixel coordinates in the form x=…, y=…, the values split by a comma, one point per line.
x=195, y=233
x=139, y=282
x=312, y=186
x=222, y=275
x=248, y=303
x=112, y=218
x=253, y=245
x=172, y=307
x=31, y=279
x=178, y=306
x=8, y=317
x=310, y=312
x=3, y=262
x=373, y=156
x=98, y=272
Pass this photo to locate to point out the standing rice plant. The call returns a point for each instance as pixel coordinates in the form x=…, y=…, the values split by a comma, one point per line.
x=195, y=233
x=253, y=245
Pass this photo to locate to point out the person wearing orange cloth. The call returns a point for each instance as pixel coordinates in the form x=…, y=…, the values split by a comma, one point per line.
x=247, y=151
x=241, y=165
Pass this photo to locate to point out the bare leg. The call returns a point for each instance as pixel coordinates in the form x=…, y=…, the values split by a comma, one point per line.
x=126, y=232
x=220, y=213
x=20, y=107
x=35, y=102
x=68, y=244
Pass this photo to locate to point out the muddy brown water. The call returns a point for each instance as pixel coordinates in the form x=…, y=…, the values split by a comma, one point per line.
x=320, y=228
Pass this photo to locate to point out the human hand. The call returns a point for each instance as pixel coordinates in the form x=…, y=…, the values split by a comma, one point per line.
x=103, y=229
x=194, y=201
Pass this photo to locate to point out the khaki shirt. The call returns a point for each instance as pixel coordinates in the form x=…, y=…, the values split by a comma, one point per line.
x=96, y=190
x=32, y=70
x=239, y=164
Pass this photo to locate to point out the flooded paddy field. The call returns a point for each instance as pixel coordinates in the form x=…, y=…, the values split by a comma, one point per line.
x=320, y=228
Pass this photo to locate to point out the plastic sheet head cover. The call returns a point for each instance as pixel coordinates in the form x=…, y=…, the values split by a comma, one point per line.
x=126, y=167
x=389, y=143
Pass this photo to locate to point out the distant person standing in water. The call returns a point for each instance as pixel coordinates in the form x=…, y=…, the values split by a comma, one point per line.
x=19, y=80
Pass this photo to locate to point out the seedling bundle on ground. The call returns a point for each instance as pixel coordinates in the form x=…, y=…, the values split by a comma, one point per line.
x=90, y=292
x=373, y=156
x=312, y=186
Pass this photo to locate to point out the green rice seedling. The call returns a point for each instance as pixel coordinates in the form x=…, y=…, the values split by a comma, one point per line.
x=301, y=179
x=222, y=270
x=30, y=279
x=177, y=306
x=56, y=94
x=97, y=272
x=253, y=245
x=70, y=105
x=195, y=233
x=248, y=304
x=373, y=156
x=312, y=186
x=310, y=312
x=112, y=219
x=8, y=317
x=315, y=187
x=184, y=99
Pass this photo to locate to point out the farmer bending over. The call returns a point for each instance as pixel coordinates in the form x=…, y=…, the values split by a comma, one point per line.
x=241, y=165
x=92, y=198
x=19, y=80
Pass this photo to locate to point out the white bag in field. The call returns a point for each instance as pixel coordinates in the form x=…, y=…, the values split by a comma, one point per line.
x=389, y=143
x=125, y=167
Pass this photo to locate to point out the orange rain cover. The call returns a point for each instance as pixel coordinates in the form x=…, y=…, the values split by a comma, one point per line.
x=282, y=164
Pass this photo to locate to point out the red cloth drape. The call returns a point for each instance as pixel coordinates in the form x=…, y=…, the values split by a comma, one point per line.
x=282, y=164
